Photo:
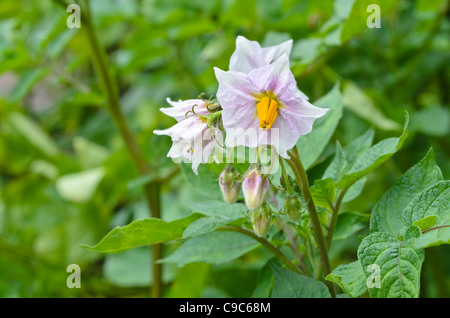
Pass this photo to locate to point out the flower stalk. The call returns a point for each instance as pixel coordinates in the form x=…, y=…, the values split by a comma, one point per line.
x=302, y=180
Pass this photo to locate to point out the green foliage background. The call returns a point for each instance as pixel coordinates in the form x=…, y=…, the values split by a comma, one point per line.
x=65, y=175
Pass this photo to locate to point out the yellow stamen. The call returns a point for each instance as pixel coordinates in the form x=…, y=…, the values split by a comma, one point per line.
x=267, y=112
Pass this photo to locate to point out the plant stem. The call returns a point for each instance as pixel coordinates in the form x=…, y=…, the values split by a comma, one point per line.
x=151, y=190
x=302, y=180
x=273, y=249
x=334, y=218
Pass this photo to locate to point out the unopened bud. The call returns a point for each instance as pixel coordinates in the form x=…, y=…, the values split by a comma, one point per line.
x=228, y=184
x=293, y=207
x=261, y=219
x=255, y=187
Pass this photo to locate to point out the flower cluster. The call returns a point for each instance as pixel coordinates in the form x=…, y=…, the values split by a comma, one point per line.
x=257, y=97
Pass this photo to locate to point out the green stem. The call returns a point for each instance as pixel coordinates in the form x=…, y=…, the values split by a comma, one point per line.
x=286, y=179
x=302, y=180
x=151, y=190
x=273, y=249
x=334, y=218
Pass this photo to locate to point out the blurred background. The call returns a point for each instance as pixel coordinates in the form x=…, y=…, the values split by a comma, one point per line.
x=66, y=177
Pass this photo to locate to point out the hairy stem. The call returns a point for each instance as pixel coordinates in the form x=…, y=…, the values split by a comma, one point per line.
x=273, y=249
x=302, y=180
x=151, y=190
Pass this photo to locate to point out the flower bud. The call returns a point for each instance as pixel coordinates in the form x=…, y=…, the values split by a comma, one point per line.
x=293, y=207
x=261, y=219
x=228, y=184
x=255, y=187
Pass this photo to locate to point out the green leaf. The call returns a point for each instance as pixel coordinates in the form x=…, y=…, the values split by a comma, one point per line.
x=34, y=134
x=311, y=145
x=79, y=187
x=265, y=282
x=206, y=182
x=206, y=225
x=350, y=278
x=357, y=20
x=354, y=99
x=142, y=232
x=426, y=223
x=213, y=248
x=27, y=82
x=386, y=214
x=373, y=158
x=400, y=264
x=288, y=284
x=220, y=208
x=349, y=223
x=438, y=116
x=432, y=202
x=190, y=281
x=324, y=193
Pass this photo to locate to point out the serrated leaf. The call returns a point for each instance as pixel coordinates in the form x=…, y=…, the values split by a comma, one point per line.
x=350, y=278
x=373, y=158
x=386, y=214
x=311, y=145
x=400, y=264
x=213, y=248
x=142, y=232
x=288, y=284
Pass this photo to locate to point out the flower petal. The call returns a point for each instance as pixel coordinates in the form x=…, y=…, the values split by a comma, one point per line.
x=272, y=53
x=247, y=56
x=181, y=108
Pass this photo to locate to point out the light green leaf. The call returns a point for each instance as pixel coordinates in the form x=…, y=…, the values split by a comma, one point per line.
x=213, y=248
x=426, y=223
x=324, y=193
x=354, y=99
x=386, y=214
x=311, y=145
x=350, y=278
x=190, y=281
x=373, y=158
x=400, y=264
x=89, y=154
x=355, y=190
x=34, y=134
x=80, y=187
x=219, y=208
x=288, y=284
x=432, y=121
x=142, y=232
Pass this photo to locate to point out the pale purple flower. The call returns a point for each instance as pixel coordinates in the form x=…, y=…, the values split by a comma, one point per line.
x=228, y=184
x=266, y=102
x=250, y=55
x=254, y=187
x=193, y=140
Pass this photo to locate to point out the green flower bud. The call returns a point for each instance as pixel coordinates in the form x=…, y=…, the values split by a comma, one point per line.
x=261, y=219
x=293, y=207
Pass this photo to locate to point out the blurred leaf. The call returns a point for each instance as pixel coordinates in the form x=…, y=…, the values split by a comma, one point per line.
x=190, y=281
x=265, y=282
x=358, y=102
x=212, y=248
x=34, y=134
x=89, y=154
x=206, y=182
x=142, y=232
x=432, y=121
x=79, y=187
x=26, y=83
